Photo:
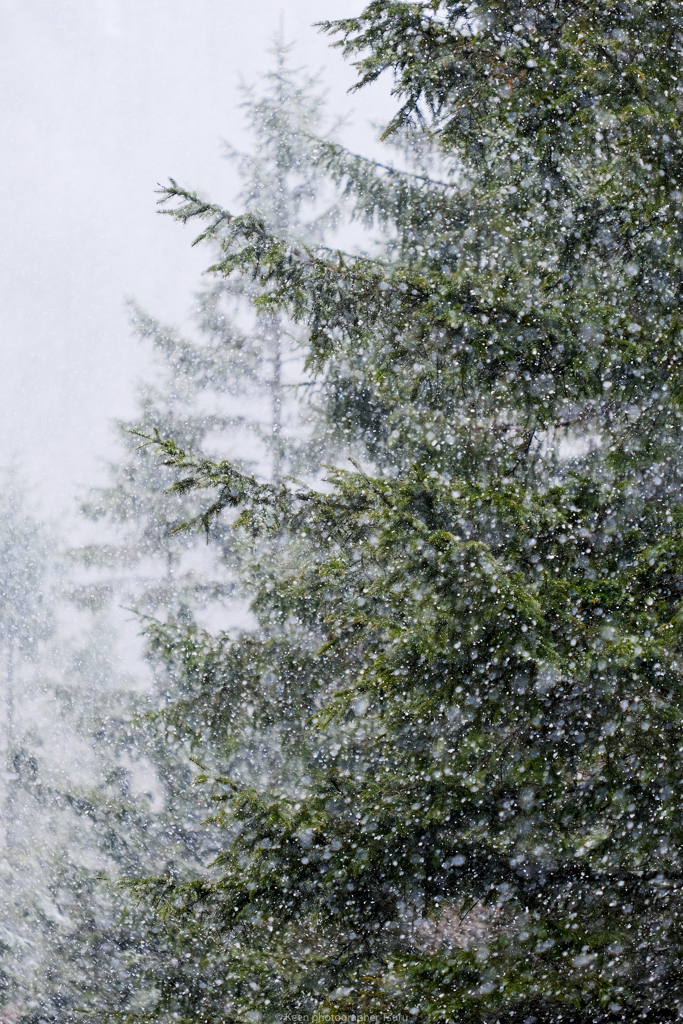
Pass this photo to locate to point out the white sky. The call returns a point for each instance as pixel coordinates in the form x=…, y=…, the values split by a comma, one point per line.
x=102, y=99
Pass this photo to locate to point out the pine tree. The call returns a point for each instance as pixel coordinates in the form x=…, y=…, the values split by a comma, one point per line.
x=26, y=619
x=232, y=387
x=49, y=851
x=145, y=560
x=486, y=617
x=25, y=616
x=284, y=186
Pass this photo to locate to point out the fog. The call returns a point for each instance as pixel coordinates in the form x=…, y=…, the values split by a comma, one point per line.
x=349, y=688
x=102, y=100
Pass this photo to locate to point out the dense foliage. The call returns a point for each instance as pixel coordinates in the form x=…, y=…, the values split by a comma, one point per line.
x=468, y=651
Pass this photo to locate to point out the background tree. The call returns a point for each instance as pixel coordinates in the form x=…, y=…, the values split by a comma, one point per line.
x=25, y=615
x=101, y=952
x=234, y=387
x=26, y=619
x=491, y=607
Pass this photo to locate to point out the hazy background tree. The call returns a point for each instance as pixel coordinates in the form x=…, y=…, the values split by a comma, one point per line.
x=492, y=680
x=233, y=387
x=236, y=386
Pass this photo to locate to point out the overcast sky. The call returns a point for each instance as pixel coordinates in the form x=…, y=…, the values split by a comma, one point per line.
x=102, y=99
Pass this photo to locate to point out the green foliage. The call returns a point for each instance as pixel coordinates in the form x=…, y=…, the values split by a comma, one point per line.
x=486, y=617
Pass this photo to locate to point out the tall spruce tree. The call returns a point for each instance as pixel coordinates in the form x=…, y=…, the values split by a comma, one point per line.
x=231, y=387
x=234, y=386
x=51, y=846
x=26, y=619
x=25, y=615
x=486, y=617
x=285, y=187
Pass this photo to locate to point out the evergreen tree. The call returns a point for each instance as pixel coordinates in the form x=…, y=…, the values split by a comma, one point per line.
x=144, y=559
x=45, y=844
x=26, y=619
x=234, y=387
x=52, y=848
x=233, y=383
x=283, y=185
x=481, y=629
x=25, y=616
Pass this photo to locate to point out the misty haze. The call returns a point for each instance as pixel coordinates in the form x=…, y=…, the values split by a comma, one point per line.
x=341, y=512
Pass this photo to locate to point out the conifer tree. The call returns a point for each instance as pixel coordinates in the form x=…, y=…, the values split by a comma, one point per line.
x=25, y=615
x=26, y=619
x=479, y=627
x=234, y=386
x=283, y=184
x=144, y=559
x=43, y=842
